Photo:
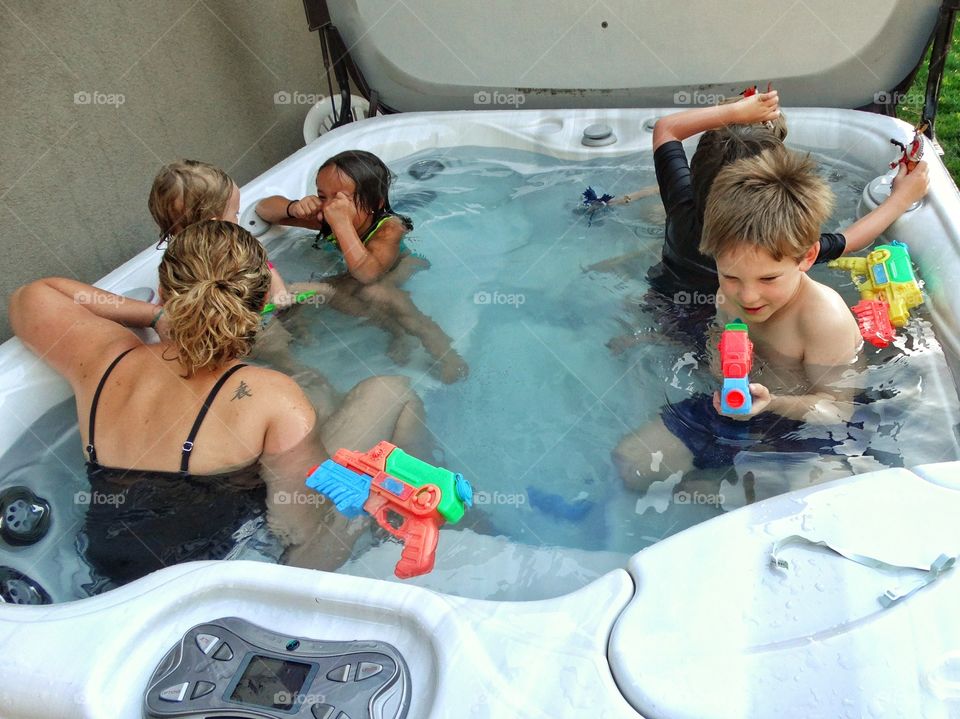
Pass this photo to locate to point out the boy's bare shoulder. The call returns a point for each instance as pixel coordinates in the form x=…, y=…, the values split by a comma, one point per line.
x=829, y=329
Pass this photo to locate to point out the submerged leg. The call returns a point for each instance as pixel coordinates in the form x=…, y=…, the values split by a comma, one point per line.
x=397, y=304
x=379, y=408
x=650, y=454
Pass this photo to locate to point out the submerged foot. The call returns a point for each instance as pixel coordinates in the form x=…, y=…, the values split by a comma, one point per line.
x=400, y=349
x=451, y=368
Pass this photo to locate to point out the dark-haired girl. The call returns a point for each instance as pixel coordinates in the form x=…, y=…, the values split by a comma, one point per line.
x=352, y=212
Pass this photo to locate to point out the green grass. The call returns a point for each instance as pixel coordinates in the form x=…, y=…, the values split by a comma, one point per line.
x=948, y=112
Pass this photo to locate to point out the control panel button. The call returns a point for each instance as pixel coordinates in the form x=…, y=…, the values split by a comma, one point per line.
x=201, y=689
x=322, y=711
x=368, y=669
x=207, y=642
x=340, y=674
x=175, y=693
x=224, y=653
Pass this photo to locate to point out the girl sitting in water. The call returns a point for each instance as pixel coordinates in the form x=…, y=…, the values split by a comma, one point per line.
x=352, y=212
x=186, y=446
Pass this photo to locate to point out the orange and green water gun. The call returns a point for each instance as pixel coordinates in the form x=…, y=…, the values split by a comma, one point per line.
x=406, y=496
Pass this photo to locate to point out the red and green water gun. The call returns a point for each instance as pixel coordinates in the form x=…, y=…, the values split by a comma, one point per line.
x=736, y=359
x=406, y=496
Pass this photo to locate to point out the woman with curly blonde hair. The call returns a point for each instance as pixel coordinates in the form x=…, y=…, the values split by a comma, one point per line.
x=187, y=443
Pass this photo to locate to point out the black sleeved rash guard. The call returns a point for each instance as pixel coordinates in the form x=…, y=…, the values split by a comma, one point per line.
x=683, y=267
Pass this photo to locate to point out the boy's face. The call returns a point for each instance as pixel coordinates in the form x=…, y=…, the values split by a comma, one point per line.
x=754, y=286
x=331, y=181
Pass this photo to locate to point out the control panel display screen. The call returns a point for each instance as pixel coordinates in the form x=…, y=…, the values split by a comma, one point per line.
x=270, y=682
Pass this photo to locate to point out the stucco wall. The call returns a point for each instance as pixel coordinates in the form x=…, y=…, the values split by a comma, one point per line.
x=98, y=94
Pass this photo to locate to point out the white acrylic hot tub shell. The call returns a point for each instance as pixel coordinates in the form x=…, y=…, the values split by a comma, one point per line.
x=471, y=658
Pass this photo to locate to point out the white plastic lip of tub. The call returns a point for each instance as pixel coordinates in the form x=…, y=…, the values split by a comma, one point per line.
x=94, y=658
x=811, y=640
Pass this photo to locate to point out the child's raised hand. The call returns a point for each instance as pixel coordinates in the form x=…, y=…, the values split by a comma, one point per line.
x=913, y=185
x=307, y=208
x=759, y=107
x=340, y=209
x=761, y=399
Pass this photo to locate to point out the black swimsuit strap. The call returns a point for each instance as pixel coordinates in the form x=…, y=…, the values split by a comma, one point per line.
x=188, y=444
x=91, y=452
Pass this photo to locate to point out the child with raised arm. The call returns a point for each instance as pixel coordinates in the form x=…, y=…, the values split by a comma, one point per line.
x=761, y=227
x=684, y=189
x=352, y=212
x=733, y=131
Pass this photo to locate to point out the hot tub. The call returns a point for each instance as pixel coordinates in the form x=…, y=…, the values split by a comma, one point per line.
x=697, y=625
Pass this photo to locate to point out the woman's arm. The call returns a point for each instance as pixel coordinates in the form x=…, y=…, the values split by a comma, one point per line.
x=69, y=324
x=315, y=533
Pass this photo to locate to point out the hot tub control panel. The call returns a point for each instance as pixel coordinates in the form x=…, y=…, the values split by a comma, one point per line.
x=232, y=667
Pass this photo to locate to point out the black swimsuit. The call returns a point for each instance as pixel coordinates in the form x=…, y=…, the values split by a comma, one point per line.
x=142, y=520
x=682, y=269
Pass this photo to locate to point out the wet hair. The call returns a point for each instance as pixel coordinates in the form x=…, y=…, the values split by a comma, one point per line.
x=214, y=281
x=774, y=202
x=187, y=191
x=718, y=148
x=371, y=177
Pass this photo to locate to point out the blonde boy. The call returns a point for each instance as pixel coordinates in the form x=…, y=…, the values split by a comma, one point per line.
x=762, y=227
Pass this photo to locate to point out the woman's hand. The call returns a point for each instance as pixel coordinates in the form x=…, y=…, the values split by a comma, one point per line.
x=760, y=397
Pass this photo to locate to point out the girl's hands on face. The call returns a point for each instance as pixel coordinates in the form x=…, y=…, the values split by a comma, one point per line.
x=341, y=208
